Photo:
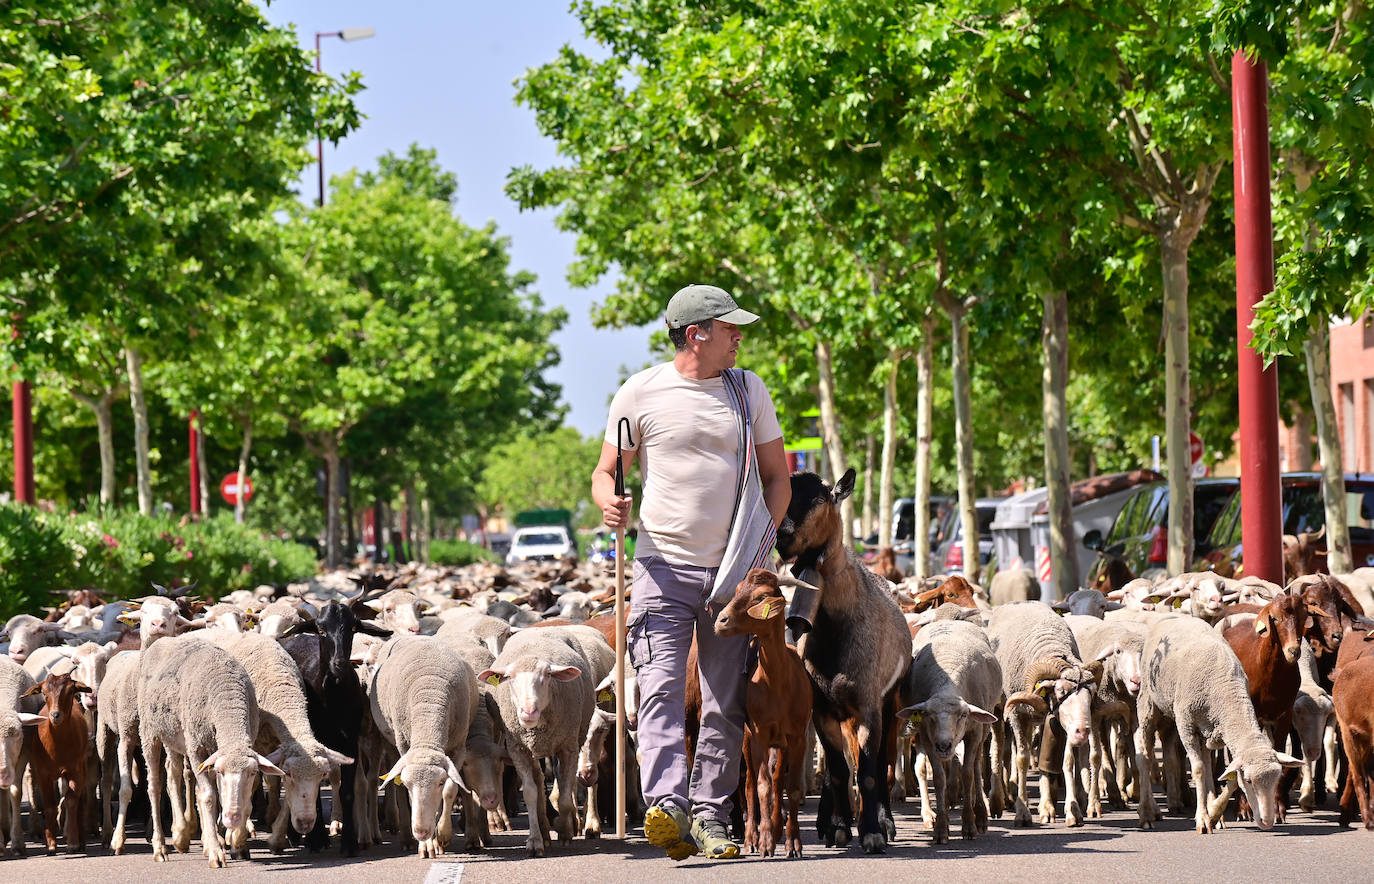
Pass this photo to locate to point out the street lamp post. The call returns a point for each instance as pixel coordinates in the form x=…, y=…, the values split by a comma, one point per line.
x=348, y=35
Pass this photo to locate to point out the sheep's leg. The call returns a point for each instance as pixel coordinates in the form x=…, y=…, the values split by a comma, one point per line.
x=591, y=823
x=276, y=841
x=443, y=833
x=922, y=767
x=1144, y=756
x=1095, y=777
x=12, y=829
x=939, y=774
x=126, y=793
x=152, y=754
x=1125, y=781
x=975, y=812
x=208, y=797
x=1329, y=749
x=1173, y=775
x=474, y=819
x=567, y=795
x=997, y=800
x=1201, y=762
x=187, y=779
x=335, y=811
x=181, y=834
x=531, y=779
x=1021, y=741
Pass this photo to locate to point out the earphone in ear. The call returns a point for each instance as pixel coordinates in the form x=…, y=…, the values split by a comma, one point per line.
x=699, y=337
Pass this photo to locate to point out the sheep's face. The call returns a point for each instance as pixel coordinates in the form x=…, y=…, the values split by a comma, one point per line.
x=225, y=617
x=1258, y=770
x=813, y=514
x=11, y=745
x=482, y=774
x=1207, y=600
x=400, y=611
x=278, y=619
x=531, y=688
x=158, y=618
x=89, y=662
x=758, y=606
x=304, y=773
x=425, y=774
x=1074, y=691
x=78, y=618
x=943, y=720
x=28, y=635
x=1125, y=669
x=235, y=778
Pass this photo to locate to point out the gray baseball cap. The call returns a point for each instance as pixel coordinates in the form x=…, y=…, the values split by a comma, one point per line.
x=695, y=303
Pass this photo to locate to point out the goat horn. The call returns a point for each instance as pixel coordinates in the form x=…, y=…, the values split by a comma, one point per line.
x=789, y=580
x=1025, y=698
x=1045, y=667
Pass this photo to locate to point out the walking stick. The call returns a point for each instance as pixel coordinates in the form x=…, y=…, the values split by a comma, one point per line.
x=623, y=426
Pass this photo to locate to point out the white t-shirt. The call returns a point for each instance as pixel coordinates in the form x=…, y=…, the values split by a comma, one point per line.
x=687, y=437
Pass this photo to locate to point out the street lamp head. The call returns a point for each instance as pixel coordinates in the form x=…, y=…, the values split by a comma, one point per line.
x=348, y=35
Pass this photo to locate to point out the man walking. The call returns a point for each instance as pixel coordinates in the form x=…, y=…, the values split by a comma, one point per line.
x=716, y=486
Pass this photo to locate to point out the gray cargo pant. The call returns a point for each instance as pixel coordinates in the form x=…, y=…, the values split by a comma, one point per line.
x=668, y=602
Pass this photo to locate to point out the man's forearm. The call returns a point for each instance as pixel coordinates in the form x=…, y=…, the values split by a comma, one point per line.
x=777, y=494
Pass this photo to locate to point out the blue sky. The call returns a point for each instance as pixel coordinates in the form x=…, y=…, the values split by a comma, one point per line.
x=441, y=74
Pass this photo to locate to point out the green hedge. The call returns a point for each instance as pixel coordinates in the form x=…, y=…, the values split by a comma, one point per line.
x=459, y=552
x=121, y=554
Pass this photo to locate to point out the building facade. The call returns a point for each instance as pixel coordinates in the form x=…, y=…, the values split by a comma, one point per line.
x=1352, y=386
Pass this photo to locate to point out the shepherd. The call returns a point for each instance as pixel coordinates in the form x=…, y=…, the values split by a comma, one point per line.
x=715, y=487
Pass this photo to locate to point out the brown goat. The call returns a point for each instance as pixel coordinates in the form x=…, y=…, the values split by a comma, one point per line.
x=1351, y=693
x=1114, y=574
x=1268, y=648
x=1300, y=553
x=955, y=590
x=778, y=701
x=59, y=752
x=884, y=564
x=1338, y=607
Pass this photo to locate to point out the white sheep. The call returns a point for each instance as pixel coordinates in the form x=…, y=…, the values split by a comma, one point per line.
x=26, y=634
x=284, y=734
x=401, y=611
x=14, y=706
x=196, y=703
x=1040, y=658
x=544, y=692
x=1119, y=644
x=423, y=700
x=953, y=681
x=1192, y=678
x=1087, y=603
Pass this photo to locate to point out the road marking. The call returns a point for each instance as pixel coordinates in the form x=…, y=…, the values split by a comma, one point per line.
x=444, y=873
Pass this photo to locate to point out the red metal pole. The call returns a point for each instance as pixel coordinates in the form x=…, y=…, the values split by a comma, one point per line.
x=23, y=443
x=1261, y=511
x=195, y=462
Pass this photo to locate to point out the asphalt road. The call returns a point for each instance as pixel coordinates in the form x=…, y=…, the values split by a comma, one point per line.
x=1112, y=849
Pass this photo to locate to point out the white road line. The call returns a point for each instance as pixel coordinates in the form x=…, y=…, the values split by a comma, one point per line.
x=444, y=873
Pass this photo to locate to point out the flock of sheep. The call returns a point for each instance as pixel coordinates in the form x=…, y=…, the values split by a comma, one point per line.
x=429, y=690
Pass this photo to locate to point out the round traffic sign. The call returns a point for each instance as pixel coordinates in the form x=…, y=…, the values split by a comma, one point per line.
x=229, y=488
x=1194, y=447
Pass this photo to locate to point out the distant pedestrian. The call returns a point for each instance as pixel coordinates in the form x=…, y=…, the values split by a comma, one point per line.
x=716, y=486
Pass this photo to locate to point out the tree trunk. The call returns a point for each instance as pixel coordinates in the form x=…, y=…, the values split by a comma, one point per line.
x=346, y=484
x=379, y=532
x=425, y=530
x=204, y=489
x=963, y=441
x=241, y=507
x=1317, y=349
x=925, y=394
x=866, y=522
x=830, y=430
x=103, y=408
x=140, y=408
x=1054, y=383
x=330, y=446
x=1177, y=402
x=886, y=479
x=1300, y=453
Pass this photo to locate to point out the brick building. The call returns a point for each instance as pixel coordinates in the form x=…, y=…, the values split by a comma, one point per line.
x=1352, y=386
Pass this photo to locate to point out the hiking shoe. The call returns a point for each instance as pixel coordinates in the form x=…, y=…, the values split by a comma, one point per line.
x=667, y=827
x=710, y=836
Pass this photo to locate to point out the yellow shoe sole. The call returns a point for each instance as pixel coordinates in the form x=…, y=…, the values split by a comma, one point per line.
x=660, y=829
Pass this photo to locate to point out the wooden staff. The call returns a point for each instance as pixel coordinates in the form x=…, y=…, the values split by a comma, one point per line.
x=622, y=427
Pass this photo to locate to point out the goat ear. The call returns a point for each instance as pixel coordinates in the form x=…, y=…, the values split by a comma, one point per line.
x=1261, y=625
x=33, y=691
x=28, y=719
x=764, y=610
x=844, y=487
x=368, y=627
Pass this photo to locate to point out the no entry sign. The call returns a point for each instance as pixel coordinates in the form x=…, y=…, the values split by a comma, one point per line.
x=229, y=488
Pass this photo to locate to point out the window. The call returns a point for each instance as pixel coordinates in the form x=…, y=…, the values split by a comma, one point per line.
x=1121, y=526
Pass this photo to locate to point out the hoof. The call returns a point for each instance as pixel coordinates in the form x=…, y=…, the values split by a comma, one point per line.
x=874, y=842
x=841, y=836
x=160, y=854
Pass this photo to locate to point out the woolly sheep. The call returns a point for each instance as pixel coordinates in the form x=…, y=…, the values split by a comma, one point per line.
x=1086, y=602
x=491, y=631
x=1037, y=652
x=1192, y=678
x=400, y=611
x=1013, y=585
x=284, y=734
x=196, y=703
x=423, y=701
x=953, y=682
x=544, y=694
x=26, y=634
x=14, y=683
x=86, y=663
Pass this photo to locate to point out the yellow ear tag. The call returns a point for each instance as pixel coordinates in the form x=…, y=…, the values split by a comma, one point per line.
x=915, y=718
x=1261, y=627
x=767, y=606
x=605, y=697
x=493, y=680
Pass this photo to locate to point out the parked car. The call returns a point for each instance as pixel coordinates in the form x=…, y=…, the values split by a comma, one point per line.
x=1304, y=511
x=1140, y=534
x=949, y=555
x=903, y=519
x=541, y=543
